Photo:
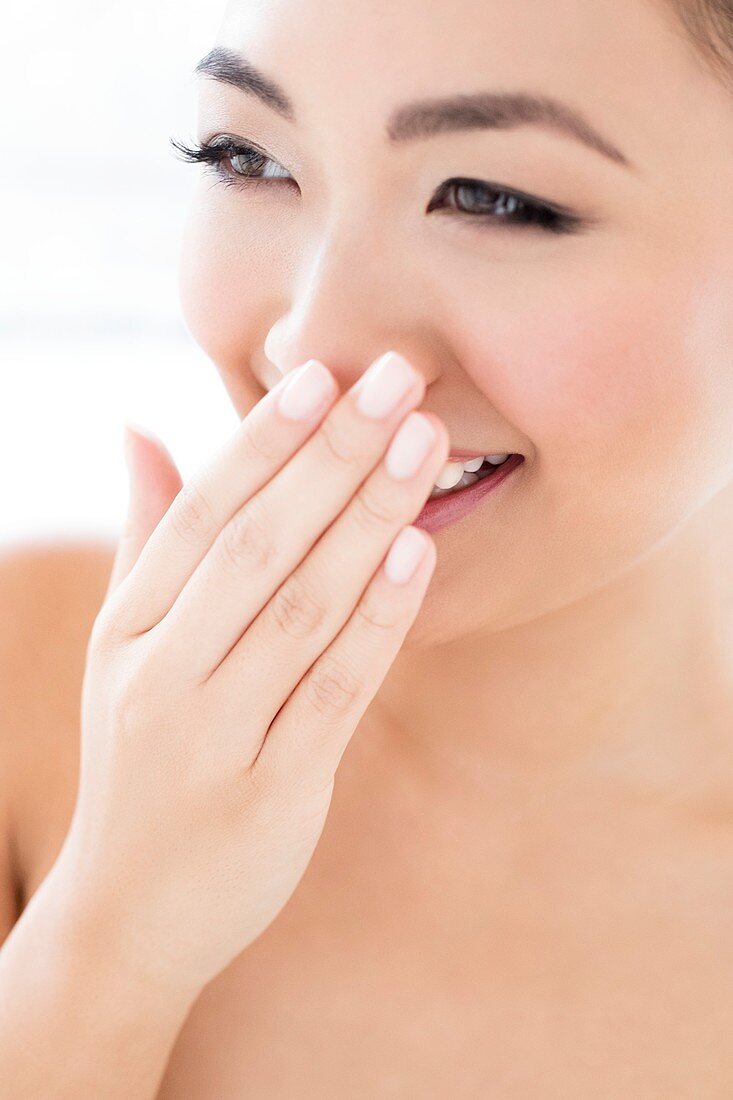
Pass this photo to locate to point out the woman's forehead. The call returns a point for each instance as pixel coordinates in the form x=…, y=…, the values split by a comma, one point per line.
x=623, y=64
x=397, y=36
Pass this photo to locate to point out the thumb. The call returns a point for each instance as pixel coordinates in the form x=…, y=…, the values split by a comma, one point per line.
x=154, y=483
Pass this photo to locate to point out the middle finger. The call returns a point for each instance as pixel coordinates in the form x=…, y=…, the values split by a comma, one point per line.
x=271, y=534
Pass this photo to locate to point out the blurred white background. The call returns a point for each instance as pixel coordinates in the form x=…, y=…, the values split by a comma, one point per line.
x=93, y=203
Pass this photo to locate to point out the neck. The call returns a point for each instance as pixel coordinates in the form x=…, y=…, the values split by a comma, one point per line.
x=633, y=684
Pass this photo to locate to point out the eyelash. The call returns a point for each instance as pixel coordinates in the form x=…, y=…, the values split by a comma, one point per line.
x=524, y=212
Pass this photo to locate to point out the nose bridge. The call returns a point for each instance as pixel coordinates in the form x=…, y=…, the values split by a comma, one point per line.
x=343, y=310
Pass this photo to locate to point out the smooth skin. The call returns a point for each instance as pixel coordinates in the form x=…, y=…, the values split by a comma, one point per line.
x=524, y=882
x=219, y=812
x=239, y=780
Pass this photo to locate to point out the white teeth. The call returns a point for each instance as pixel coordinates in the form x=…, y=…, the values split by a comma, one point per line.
x=450, y=475
x=461, y=474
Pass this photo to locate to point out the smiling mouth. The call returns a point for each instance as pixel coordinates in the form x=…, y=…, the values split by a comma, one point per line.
x=460, y=473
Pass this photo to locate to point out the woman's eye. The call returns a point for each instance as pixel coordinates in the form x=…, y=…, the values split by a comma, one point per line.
x=482, y=204
x=232, y=162
x=493, y=206
x=248, y=163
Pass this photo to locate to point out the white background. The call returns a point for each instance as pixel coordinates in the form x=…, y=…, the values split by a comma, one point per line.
x=93, y=203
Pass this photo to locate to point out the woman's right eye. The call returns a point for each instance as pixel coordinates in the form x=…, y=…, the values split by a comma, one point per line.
x=245, y=163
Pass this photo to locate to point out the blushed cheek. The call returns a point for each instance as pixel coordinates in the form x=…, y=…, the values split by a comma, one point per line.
x=224, y=298
x=614, y=379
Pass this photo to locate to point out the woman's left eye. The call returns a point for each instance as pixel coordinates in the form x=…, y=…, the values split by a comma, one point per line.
x=237, y=165
x=494, y=205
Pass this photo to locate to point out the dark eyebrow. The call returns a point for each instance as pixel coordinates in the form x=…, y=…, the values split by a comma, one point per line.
x=425, y=118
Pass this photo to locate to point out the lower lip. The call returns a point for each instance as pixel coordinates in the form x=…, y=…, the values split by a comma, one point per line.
x=441, y=511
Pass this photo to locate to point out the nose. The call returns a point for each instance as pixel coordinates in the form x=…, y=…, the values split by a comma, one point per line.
x=346, y=313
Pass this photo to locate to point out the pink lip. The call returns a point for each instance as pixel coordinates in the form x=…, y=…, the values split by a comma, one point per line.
x=474, y=454
x=444, y=510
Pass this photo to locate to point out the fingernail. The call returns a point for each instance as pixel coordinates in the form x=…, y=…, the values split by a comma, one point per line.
x=384, y=385
x=405, y=554
x=307, y=391
x=409, y=448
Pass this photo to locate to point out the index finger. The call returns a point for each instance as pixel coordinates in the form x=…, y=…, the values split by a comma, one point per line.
x=259, y=446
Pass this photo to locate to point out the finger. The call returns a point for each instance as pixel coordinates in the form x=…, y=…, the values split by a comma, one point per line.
x=311, y=607
x=154, y=482
x=272, y=533
x=252, y=454
x=307, y=739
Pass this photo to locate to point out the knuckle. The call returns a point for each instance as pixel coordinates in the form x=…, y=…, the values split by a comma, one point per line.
x=191, y=516
x=257, y=778
x=337, y=445
x=245, y=540
x=295, y=610
x=253, y=785
x=104, y=632
x=127, y=704
x=109, y=631
x=332, y=689
x=270, y=777
x=372, y=512
x=377, y=616
x=131, y=699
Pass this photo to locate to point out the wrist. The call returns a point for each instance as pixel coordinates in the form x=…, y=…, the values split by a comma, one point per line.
x=100, y=930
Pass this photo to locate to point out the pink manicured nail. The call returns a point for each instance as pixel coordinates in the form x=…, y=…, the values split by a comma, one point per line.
x=405, y=554
x=409, y=448
x=307, y=391
x=384, y=385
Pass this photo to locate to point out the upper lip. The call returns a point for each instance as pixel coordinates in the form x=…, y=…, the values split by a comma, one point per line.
x=459, y=454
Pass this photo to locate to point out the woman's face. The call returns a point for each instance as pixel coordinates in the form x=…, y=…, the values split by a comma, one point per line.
x=604, y=354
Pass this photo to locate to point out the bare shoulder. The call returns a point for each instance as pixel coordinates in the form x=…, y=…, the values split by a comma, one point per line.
x=50, y=595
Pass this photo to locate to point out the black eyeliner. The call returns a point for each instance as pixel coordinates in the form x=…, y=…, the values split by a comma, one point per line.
x=538, y=214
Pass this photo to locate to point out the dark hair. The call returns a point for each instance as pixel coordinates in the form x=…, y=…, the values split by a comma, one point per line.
x=709, y=24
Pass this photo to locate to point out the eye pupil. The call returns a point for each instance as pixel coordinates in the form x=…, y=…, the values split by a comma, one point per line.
x=245, y=168
x=478, y=195
x=471, y=194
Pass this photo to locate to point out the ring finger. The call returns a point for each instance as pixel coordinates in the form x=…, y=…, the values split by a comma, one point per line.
x=273, y=531
x=314, y=602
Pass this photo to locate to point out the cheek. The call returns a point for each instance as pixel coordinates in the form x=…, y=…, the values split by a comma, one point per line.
x=618, y=377
x=608, y=384
x=222, y=283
